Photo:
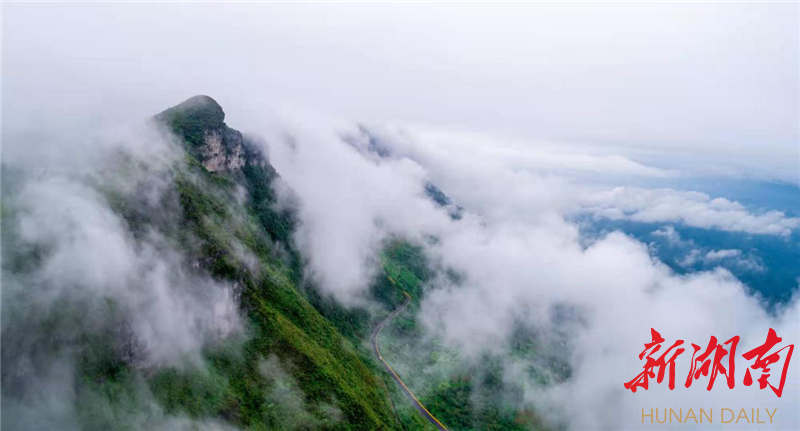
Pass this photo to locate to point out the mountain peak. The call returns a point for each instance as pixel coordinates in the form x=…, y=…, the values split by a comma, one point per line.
x=193, y=118
x=200, y=121
x=200, y=101
x=200, y=109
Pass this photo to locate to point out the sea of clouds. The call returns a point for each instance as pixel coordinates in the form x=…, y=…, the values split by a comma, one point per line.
x=522, y=258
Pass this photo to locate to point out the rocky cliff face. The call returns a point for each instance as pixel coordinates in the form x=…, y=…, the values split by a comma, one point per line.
x=219, y=148
x=222, y=150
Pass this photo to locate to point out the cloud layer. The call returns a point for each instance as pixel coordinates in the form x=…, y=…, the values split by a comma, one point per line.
x=523, y=262
x=75, y=270
x=579, y=93
x=693, y=86
x=687, y=207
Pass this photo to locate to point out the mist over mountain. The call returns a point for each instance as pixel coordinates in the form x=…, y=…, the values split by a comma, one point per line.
x=161, y=290
x=183, y=282
x=394, y=217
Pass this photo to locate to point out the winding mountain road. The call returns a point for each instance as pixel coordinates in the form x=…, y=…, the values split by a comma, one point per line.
x=373, y=339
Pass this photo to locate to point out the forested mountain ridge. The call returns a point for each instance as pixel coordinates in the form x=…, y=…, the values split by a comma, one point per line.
x=327, y=369
x=213, y=213
x=163, y=289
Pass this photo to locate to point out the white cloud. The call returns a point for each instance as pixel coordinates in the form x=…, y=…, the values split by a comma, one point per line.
x=687, y=207
x=92, y=258
x=349, y=204
x=521, y=259
x=74, y=270
x=694, y=254
x=683, y=85
x=735, y=257
x=691, y=258
x=564, y=157
x=670, y=234
x=722, y=254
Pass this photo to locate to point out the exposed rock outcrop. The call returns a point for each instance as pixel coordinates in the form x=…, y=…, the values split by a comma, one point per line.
x=219, y=148
x=222, y=150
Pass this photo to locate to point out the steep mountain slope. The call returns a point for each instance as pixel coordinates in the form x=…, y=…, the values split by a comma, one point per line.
x=324, y=364
x=466, y=397
x=163, y=290
x=204, y=221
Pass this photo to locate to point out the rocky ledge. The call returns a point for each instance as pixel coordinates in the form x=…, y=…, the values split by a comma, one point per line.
x=200, y=121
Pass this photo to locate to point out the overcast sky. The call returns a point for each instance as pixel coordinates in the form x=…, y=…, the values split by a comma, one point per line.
x=707, y=83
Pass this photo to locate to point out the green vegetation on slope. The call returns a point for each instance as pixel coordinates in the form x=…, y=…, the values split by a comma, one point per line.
x=290, y=369
x=193, y=118
x=324, y=364
x=462, y=395
x=302, y=362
